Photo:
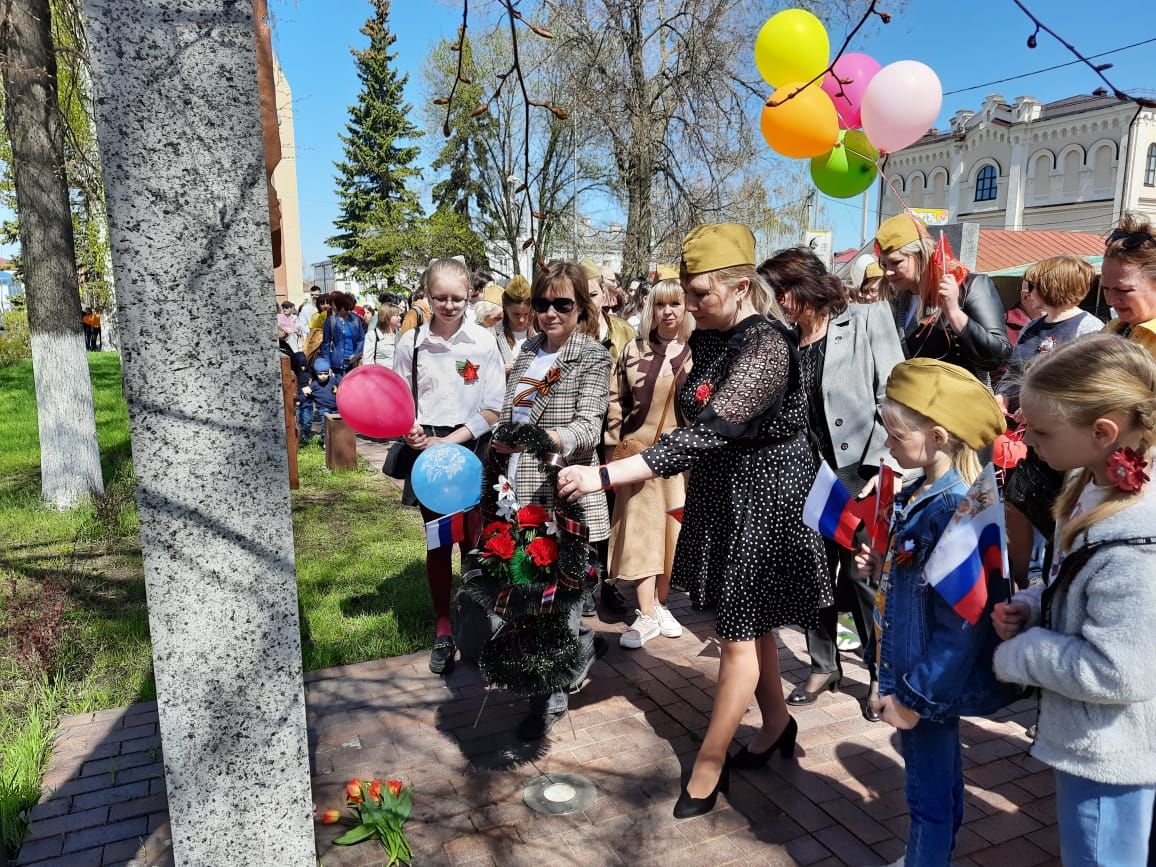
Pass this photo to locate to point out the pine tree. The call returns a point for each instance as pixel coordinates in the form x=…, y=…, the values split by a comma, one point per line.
x=378, y=210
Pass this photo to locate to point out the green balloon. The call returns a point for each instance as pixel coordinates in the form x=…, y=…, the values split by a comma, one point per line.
x=848, y=168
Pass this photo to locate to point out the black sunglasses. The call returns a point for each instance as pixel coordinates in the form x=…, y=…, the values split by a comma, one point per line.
x=562, y=305
x=1130, y=240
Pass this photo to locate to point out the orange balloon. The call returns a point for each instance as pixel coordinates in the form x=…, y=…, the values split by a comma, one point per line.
x=806, y=125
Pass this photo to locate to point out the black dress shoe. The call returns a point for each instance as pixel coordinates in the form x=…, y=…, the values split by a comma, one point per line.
x=745, y=760
x=441, y=659
x=802, y=695
x=536, y=725
x=612, y=600
x=869, y=713
x=687, y=807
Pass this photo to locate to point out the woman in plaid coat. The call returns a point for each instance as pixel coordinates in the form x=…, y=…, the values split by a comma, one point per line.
x=560, y=382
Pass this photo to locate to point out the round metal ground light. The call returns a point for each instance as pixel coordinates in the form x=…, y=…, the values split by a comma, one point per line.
x=559, y=794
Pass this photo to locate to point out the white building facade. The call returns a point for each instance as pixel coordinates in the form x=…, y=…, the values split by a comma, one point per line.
x=1074, y=165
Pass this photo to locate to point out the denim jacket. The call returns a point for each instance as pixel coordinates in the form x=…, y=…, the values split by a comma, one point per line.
x=931, y=659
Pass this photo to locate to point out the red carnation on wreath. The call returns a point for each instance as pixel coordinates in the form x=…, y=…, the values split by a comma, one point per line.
x=543, y=551
x=495, y=527
x=703, y=393
x=500, y=545
x=532, y=516
x=468, y=370
x=1126, y=470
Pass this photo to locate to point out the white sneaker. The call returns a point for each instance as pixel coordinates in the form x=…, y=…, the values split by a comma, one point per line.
x=669, y=627
x=845, y=636
x=641, y=631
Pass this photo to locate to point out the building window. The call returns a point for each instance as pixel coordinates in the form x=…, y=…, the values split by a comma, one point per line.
x=1150, y=168
x=985, y=184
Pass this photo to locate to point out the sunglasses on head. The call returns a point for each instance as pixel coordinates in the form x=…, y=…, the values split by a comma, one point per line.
x=562, y=305
x=1130, y=240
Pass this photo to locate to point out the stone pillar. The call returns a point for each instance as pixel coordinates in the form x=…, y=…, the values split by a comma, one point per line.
x=1017, y=185
x=180, y=141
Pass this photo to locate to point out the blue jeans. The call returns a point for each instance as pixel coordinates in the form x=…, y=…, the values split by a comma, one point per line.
x=934, y=765
x=305, y=421
x=1101, y=823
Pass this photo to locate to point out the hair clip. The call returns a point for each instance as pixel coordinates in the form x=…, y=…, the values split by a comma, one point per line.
x=1126, y=469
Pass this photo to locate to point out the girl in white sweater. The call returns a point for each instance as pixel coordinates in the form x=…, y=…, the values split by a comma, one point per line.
x=1087, y=640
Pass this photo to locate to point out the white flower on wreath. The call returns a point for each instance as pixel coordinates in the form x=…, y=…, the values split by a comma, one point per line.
x=552, y=528
x=507, y=499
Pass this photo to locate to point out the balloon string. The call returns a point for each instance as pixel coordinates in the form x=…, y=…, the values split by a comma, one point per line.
x=875, y=161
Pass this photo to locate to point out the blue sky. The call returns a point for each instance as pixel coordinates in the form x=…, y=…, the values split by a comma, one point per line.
x=312, y=39
x=313, y=36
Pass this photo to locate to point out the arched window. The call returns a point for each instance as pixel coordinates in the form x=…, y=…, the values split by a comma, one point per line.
x=1073, y=162
x=1150, y=168
x=985, y=185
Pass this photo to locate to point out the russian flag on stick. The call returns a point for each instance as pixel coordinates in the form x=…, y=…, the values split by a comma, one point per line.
x=829, y=509
x=972, y=550
x=676, y=513
x=446, y=530
x=876, y=510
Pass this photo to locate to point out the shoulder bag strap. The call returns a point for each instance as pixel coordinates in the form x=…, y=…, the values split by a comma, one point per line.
x=1073, y=563
x=669, y=399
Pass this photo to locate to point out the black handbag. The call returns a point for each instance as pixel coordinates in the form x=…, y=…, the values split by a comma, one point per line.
x=400, y=458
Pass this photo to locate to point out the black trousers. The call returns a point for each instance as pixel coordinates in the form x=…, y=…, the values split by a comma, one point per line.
x=853, y=594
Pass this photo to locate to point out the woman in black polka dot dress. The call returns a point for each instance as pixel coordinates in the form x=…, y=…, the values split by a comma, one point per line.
x=743, y=549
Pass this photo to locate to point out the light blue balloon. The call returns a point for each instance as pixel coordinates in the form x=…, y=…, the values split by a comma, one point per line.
x=447, y=478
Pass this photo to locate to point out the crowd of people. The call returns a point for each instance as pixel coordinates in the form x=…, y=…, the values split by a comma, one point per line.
x=720, y=385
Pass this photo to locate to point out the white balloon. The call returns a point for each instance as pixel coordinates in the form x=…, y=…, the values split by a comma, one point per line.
x=901, y=104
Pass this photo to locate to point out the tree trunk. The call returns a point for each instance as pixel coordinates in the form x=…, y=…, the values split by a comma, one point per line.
x=636, y=247
x=69, y=455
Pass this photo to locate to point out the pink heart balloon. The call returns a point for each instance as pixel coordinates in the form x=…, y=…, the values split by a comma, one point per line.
x=852, y=73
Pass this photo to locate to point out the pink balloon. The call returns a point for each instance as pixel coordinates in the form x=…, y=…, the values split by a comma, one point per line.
x=900, y=104
x=376, y=402
x=857, y=70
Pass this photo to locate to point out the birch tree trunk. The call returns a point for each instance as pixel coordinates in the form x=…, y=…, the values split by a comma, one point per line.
x=69, y=455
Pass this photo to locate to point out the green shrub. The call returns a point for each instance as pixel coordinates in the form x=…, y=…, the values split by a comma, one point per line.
x=14, y=341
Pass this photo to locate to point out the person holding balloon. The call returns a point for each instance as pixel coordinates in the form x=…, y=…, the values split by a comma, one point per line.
x=459, y=379
x=560, y=383
x=939, y=316
x=743, y=549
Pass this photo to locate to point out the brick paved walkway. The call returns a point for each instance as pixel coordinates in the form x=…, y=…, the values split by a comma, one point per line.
x=632, y=731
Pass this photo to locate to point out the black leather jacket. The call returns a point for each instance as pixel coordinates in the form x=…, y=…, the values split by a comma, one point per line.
x=983, y=345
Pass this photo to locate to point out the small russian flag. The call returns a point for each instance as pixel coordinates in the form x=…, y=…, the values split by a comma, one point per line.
x=829, y=509
x=676, y=513
x=445, y=530
x=971, y=551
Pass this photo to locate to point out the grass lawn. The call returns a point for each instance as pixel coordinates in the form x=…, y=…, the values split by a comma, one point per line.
x=72, y=589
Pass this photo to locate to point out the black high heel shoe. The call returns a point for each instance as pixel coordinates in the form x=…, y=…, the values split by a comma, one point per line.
x=802, y=695
x=745, y=760
x=688, y=807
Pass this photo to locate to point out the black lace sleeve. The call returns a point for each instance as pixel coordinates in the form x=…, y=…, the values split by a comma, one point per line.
x=753, y=387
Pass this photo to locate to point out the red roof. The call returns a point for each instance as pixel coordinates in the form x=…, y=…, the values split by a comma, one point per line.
x=846, y=256
x=1001, y=248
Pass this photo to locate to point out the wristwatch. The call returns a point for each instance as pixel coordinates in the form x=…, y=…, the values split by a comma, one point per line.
x=604, y=475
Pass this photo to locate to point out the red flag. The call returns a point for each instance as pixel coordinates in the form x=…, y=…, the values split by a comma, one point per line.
x=676, y=513
x=875, y=511
x=943, y=262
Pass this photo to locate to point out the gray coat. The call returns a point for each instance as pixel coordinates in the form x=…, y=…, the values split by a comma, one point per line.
x=1095, y=666
x=862, y=347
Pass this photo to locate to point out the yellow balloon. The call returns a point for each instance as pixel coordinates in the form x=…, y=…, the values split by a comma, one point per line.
x=791, y=46
x=806, y=125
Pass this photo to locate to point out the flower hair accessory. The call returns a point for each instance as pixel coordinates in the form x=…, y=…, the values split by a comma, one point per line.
x=1126, y=470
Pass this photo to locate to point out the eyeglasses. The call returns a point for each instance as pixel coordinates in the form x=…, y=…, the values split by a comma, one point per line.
x=562, y=305
x=1130, y=240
